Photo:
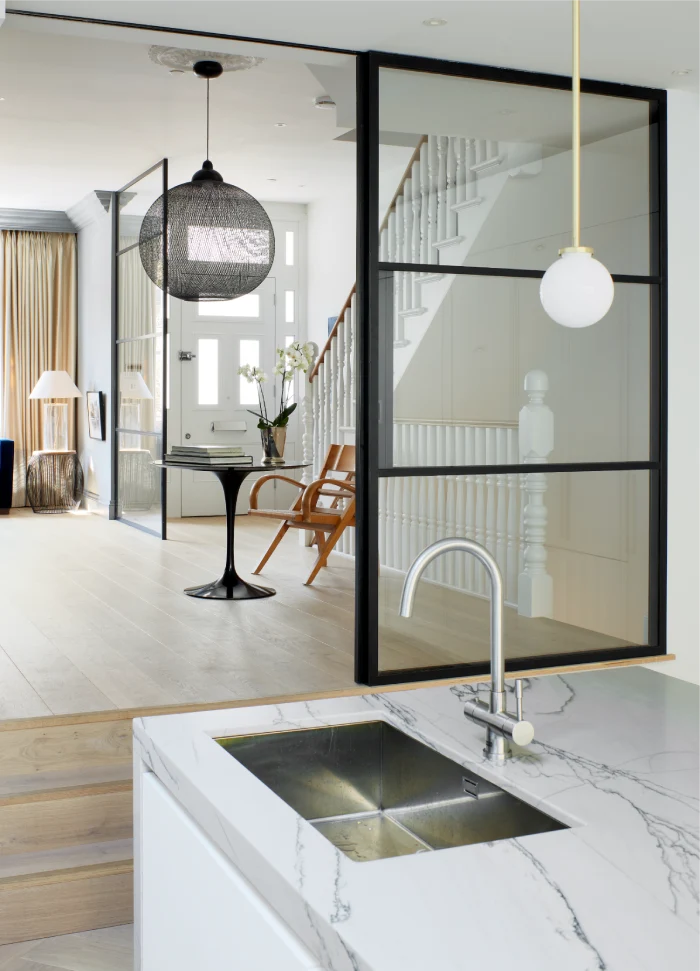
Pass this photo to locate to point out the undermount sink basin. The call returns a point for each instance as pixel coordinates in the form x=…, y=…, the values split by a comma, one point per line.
x=375, y=792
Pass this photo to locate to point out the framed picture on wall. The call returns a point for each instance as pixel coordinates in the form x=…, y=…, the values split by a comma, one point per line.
x=96, y=414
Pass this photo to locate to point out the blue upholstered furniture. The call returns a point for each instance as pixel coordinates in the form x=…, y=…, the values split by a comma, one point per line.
x=7, y=458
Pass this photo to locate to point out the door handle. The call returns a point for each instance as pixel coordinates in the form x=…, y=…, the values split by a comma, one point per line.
x=185, y=355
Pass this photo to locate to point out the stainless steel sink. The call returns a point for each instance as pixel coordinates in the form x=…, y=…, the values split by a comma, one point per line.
x=375, y=792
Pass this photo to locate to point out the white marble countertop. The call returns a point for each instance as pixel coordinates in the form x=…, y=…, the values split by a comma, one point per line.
x=615, y=756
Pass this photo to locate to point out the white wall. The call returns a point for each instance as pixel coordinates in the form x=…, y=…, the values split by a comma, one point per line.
x=331, y=256
x=94, y=337
x=683, y=398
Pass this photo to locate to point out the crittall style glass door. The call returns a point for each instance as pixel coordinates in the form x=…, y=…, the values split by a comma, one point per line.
x=139, y=364
x=478, y=416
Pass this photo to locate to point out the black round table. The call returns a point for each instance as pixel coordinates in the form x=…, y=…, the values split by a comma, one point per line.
x=230, y=586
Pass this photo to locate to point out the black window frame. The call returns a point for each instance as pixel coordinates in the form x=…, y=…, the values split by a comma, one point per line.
x=372, y=357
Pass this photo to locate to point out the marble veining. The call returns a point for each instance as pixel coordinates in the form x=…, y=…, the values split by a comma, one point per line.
x=615, y=757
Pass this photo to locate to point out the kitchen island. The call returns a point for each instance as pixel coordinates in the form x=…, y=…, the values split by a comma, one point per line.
x=231, y=875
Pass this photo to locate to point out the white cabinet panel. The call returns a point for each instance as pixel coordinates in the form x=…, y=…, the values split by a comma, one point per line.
x=197, y=910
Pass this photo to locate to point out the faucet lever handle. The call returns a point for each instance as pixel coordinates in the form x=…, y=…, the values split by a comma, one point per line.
x=519, y=699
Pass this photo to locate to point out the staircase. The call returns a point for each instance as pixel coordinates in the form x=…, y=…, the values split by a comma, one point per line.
x=66, y=861
x=442, y=203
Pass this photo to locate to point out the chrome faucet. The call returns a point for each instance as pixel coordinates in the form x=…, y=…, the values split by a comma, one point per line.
x=499, y=723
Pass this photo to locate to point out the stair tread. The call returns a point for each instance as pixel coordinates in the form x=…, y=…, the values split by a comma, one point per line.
x=65, y=858
x=64, y=779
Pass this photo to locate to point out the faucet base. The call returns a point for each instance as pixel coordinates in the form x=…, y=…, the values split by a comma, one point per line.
x=497, y=749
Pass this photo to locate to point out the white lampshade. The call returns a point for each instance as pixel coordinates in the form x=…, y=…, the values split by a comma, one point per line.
x=55, y=384
x=132, y=385
x=577, y=290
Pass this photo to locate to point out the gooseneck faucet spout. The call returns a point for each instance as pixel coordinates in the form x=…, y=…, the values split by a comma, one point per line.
x=499, y=724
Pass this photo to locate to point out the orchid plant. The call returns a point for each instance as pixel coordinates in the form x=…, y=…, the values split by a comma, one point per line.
x=295, y=357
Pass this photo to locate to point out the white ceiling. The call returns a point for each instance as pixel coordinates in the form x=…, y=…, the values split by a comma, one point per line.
x=634, y=41
x=86, y=109
x=82, y=114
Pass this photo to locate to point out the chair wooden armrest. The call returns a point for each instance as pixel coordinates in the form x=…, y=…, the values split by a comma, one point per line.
x=253, y=500
x=316, y=488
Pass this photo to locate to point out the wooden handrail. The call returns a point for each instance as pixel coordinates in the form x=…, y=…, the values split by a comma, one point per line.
x=402, y=183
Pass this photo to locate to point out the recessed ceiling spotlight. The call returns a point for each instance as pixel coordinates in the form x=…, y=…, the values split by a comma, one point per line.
x=434, y=22
x=272, y=180
x=2, y=99
x=176, y=70
x=324, y=102
x=508, y=111
x=280, y=124
x=682, y=72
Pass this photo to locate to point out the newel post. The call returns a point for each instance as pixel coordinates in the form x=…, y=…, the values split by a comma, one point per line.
x=536, y=441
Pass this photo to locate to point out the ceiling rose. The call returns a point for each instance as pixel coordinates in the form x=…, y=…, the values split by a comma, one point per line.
x=184, y=59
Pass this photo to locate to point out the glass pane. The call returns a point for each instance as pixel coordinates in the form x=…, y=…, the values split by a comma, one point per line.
x=573, y=549
x=475, y=362
x=488, y=168
x=134, y=203
x=289, y=306
x=140, y=300
x=139, y=480
x=207, y=371
x=249, y=354
x=289, y=248
x=140, y=385
x=246, y=306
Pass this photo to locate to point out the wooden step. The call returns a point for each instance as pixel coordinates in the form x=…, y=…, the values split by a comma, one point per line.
x=65, y=747
x=37, y=821
x=65, y=900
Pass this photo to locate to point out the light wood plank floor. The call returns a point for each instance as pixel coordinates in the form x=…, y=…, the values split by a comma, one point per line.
x=104, y=950
x=93, y=617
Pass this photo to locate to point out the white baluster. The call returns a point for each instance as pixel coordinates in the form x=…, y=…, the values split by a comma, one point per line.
x=502, y=504
x=424, y=204
x=491, y=495
x=316, y=404
x=399, y=229
x=442, y=188
x=470, y=189
x=382, y=521
x=334, y=385
x=384, y=246
x=536, y=440
x=470, y=514
x=353, y=318
x=513, y=546
x=460, y=501
x=407, y=243
x=480, y=506
x=433, y=198
x=348, y=417
x=461, y=173
x=451, y=198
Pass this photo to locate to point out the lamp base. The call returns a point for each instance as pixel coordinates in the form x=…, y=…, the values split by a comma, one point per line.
x=55, y=431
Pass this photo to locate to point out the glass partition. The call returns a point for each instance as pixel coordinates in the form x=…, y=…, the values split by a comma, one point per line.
x=489, y=168
x=480, y=417
x=139, y=379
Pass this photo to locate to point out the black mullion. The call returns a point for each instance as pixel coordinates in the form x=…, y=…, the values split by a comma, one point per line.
x=513, y=665
x=164, y=378
x=398, y=471
x=367, y=377
x=539, y=79
x=456, y=270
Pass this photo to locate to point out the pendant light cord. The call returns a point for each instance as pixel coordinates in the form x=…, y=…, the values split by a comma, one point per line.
x=576, y=136
x=207, y=118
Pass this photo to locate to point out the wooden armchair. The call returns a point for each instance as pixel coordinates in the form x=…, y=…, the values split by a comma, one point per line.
x=327, y=522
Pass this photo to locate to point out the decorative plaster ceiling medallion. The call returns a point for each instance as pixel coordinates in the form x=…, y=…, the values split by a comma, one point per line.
x=184, y=59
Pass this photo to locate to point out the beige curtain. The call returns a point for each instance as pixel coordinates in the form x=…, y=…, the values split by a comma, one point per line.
x=38, y=332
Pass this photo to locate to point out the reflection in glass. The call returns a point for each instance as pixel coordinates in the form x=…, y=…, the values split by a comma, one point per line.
x=139, y=480
x=140, y=300
x=461, y=364
x=572, y=547
x=141, y=385
x=489, y=173
x=134, y=203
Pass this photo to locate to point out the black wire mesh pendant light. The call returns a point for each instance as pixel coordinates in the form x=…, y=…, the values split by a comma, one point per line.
x=221, y=243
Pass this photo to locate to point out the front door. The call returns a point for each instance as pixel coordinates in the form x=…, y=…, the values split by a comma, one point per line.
x=220, y=337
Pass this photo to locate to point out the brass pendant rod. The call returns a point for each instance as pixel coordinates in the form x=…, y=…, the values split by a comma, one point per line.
x=576, y=134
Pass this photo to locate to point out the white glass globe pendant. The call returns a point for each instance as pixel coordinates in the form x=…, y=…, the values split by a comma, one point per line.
x=577, y=290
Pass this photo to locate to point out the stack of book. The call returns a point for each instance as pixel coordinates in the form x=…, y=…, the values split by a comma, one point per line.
x=208, y=455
